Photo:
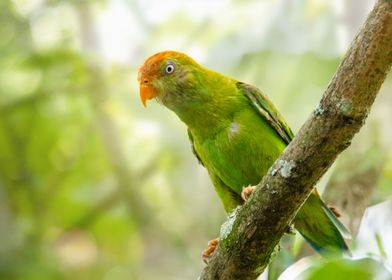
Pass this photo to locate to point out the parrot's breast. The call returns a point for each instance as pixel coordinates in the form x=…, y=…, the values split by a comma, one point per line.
x=241, y=153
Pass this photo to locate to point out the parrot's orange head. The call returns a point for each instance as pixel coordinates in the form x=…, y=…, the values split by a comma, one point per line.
x=164, y=76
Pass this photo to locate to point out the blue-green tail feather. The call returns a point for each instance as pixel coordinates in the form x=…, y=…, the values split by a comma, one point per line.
x=321, y=228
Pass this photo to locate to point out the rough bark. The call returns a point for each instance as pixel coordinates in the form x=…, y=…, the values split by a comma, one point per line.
x=250, y=235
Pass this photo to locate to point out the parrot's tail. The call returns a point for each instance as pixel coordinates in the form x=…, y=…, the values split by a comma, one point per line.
x=321, y=228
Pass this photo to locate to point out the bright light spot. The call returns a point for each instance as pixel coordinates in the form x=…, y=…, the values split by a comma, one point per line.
x=76, y=249
x=146, y=129
x=376, y=221
x=119, y=33
x=25, y=7
x=197, y=10
x=50, y=26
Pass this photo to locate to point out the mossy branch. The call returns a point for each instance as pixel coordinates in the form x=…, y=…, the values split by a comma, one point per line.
x=256, y=228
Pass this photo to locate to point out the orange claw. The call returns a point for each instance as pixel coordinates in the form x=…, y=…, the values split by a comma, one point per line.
x=211, y=248
x=335, y=211
x=246, y=192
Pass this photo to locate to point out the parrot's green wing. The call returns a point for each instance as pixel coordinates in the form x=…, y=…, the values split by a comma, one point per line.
x=267, y=110
x=229, y=198
x=193, y=147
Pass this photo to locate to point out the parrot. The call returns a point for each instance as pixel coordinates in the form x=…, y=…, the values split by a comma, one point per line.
x=236, y=133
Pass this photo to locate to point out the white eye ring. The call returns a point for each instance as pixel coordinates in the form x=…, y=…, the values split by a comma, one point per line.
x=169, y=68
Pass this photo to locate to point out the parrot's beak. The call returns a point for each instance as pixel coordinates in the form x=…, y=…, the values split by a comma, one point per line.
x=147, y=92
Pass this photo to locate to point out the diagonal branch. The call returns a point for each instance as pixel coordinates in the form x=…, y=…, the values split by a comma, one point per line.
x=252, y=232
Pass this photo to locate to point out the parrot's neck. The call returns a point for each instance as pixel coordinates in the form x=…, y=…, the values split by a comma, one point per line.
x=206, y=120
x=210, y=115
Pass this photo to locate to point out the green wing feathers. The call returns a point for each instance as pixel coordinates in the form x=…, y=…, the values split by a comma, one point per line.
x=267, y=110
x=229, y=198
x=193, y=148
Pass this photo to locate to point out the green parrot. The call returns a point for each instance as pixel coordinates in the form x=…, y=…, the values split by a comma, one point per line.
x=236, y=134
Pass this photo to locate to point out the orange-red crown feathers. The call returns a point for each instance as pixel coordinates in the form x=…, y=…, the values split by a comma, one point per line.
x=151, y=69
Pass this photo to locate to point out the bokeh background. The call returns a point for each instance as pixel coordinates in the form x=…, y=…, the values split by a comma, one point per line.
x=95, y=186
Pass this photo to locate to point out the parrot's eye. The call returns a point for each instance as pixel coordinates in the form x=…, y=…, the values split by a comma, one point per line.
x=169, y=68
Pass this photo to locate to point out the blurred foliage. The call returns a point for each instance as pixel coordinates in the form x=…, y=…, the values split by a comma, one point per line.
x=311, y=268
x=92, y=185
x=362, y=269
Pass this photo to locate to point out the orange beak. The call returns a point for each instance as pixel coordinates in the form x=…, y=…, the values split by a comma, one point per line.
x=147, y=92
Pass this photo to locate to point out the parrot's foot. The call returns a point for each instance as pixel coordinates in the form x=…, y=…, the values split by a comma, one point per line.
x=335, y=211
x=247, y=191
x=211, y=248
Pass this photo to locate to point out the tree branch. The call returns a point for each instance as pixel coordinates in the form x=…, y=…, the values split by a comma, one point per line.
x=251, y=233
